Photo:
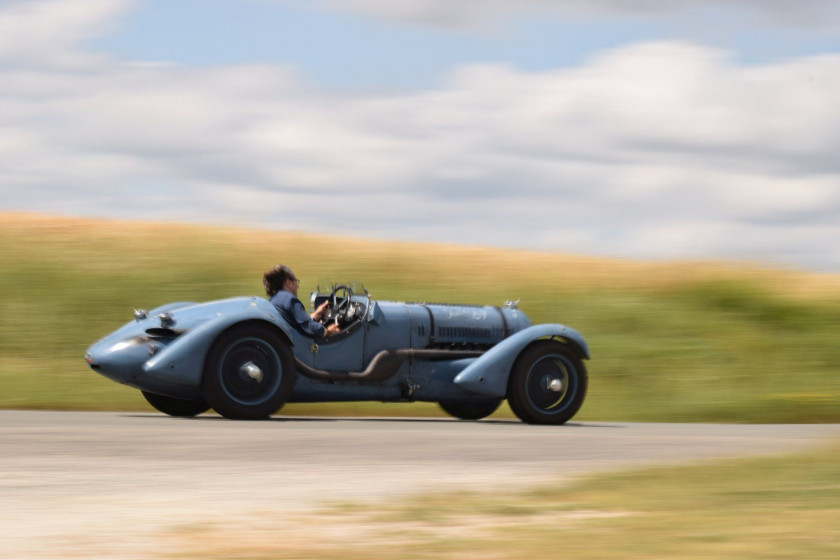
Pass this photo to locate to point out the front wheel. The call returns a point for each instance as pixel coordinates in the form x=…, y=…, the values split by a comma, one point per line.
x=249, y=373
x=176, y=407
x=547, y=384
x=470, y=410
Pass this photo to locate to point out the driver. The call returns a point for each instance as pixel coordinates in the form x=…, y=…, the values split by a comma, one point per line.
x=281, y=286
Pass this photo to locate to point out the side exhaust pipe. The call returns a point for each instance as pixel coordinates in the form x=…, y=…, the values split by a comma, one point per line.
x=384, y=365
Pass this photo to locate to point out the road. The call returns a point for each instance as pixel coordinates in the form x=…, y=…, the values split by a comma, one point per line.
x=94, y=485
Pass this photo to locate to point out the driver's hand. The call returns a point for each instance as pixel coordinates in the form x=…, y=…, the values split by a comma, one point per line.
x=332, y=328
x=319, y=313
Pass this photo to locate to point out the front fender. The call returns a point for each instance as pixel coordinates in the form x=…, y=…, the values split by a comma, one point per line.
x=170, y=307
x=183, y=360
x=488, y=375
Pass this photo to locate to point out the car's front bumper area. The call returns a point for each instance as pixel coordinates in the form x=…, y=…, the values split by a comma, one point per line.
x=122, y=361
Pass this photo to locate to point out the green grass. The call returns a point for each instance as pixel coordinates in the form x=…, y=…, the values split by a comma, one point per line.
x=757, y=508
x=669, y=341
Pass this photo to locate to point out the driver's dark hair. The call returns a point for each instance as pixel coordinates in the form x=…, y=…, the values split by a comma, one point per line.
x=275, y=279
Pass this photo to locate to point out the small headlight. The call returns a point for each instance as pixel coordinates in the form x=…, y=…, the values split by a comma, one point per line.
x=140, y=314
x=166, y=319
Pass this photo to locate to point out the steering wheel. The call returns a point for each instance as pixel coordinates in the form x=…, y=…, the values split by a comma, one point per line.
x=340, y=308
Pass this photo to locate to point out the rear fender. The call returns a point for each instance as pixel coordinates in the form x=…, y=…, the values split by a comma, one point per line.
x=488, y=375
x=183, y=360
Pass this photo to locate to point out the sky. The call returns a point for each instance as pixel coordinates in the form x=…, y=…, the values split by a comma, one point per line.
x=653, y=129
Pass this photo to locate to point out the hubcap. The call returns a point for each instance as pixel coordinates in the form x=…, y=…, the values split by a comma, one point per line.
x=252, y=370
x=554, y=384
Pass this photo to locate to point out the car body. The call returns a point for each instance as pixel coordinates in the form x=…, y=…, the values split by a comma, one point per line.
x=241, y=357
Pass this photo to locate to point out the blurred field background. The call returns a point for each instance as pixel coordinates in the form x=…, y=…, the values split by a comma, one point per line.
x=678, y=341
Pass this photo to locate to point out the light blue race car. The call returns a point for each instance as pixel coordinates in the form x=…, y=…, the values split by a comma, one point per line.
x=243, y=359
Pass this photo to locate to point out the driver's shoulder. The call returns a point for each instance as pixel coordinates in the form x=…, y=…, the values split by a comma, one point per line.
x=284, y=298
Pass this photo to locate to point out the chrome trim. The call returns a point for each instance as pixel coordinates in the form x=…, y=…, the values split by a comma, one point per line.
x=252, y=370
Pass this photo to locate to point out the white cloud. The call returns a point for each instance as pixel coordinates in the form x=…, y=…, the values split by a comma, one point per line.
x=42, y=31
x=651, y=150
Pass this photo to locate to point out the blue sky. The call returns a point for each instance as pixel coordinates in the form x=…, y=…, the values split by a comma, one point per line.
x=663, y=129
x=353, y=50
x=358, y=50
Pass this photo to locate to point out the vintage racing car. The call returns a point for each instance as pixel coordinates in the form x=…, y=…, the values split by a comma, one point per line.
x=241, y=358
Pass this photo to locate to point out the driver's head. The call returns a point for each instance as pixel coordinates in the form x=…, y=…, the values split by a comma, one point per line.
x=279, y=278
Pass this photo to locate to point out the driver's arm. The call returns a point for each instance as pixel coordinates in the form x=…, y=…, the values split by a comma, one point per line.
x=318, y=314
x=308, y=326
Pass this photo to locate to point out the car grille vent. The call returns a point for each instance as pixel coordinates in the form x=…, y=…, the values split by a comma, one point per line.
x=445, y=331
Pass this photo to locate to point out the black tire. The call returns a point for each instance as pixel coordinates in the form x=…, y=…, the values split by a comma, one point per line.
x=176, y=407
x=470, y=410
x=249, y=373
x=547, y=384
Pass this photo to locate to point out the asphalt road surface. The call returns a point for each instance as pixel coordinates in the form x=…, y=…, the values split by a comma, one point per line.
x=111, y=485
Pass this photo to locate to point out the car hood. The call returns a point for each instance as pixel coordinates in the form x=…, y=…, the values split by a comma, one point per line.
x=184, y=316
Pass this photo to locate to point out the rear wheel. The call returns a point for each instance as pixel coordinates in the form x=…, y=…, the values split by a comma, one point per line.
x=176, y=407
x=547, y=384
x=249, y=373
x=470, y=410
